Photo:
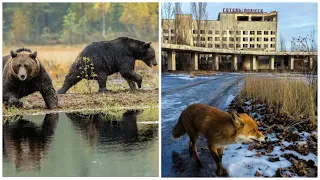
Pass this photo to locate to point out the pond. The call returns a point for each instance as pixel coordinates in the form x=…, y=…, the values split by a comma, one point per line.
x=79, y=144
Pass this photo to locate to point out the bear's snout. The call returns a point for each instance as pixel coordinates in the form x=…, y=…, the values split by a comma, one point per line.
x=154, y=62
x=22, y=74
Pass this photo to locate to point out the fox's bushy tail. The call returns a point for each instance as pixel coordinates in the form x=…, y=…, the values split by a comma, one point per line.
x=179, y=129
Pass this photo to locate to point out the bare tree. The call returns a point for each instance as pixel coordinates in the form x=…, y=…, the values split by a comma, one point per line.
x=177, y=7
x=283, y=47
x=168, y=16
x=200, y=15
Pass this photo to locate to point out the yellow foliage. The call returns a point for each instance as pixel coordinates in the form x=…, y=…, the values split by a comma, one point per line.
x=140, y=14
x=102, y=6
x=19, y=25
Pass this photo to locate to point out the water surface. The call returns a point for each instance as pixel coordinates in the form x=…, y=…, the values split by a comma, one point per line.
x=78, y=144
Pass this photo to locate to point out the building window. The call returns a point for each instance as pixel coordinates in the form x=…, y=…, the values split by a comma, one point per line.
x=202, y=39
x=245, y=45
x=238, y=39
x=195, y=31
x=273, y=45
x=202, y=31
x=217, y=32
x=259, y=32
x=210, y=45
x=273, y=33
x=217, y=39
x=217, y=45
x=265, y=39
x=172, y=38
x=172, y=30
x=231, y=39
x=224, y=46
x=224, y=32
x=238, y=32
x=245, y=39
x=266, y=46
x=266, y=32
x=251, y=32
x=231, y=32
x=251, y=39
x=258, y=45
x=209, y=31
x=259, y=39
x=245, y=32
x=165, y=30
x=237, y=45
x=209, y=38
x=224, y=39
x=273, y=39
x=166, y=38
x=231, y=45
x=251, y=45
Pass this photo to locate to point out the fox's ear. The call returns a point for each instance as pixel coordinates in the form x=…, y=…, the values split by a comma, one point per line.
x=237, y=122
x=240, y=110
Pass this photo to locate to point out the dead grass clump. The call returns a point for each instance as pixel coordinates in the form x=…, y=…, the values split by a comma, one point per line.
x=292, y=97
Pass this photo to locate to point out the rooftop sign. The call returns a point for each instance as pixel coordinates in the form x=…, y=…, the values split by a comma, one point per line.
x=238, y=10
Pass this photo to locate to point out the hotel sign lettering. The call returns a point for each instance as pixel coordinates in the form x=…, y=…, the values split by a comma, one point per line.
x=237, y=10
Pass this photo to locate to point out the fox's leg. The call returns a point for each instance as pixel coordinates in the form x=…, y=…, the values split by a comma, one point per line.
x=215, y=155
x=193, y=140
x=220, y=152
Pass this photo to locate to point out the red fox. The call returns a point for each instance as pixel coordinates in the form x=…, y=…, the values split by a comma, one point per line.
x=218, y=127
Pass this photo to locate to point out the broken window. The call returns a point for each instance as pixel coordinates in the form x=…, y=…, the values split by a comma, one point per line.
x=209, y=38
x=245, y=39
x=165, y=30
x=273, y=33
x=251, y=39
x=245, y=45
x=256, y=18
x=266, y=32
x=251, y=45
x=265, y=39
x=217, y=45
x=224, y=39
x=231, y=39
x=251, y=32
x=209, y=31
x=217, y=39
x=217, y=32
x=266, y=46
x=243, y=18
x=259, y=32
x=245, y=32
x=195, y=31
x=202, y=31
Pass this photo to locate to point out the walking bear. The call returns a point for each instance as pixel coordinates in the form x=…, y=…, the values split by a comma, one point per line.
x=23, y=74
x=100, y=59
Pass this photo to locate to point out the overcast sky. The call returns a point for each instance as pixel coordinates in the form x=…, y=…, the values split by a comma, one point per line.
x=295, y=19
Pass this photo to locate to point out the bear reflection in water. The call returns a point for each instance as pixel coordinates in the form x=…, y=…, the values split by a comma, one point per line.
x=25, y=143
x=104, y=128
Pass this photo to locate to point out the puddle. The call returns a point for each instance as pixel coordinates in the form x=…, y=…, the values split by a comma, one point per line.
x=77, y=144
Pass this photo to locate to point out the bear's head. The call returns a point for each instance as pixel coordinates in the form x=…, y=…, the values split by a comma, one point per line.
x=24, y=65
x=148, y=55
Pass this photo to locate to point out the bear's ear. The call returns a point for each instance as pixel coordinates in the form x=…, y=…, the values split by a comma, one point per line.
x=240, y=110
x=13, y=54
x=33, y=55
x=146, y=45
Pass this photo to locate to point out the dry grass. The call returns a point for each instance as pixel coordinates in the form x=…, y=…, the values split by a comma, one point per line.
x=295, y=98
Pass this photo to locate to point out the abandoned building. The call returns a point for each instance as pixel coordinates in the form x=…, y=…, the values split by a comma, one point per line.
x=238, y=39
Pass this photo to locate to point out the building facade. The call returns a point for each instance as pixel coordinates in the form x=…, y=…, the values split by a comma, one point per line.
x=249, y=29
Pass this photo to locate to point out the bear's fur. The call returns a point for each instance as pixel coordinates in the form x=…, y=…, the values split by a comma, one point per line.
x=23, y=74
x=108, y=57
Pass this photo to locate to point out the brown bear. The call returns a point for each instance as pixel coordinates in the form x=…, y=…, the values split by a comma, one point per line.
x=23, y=74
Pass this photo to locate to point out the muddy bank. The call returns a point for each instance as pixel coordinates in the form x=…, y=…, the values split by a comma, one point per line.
x=122, y=99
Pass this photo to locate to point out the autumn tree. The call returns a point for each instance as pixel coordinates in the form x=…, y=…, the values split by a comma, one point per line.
x=103, y=8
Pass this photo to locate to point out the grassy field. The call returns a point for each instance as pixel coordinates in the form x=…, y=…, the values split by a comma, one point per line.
x=57, y=60
x=294, y=97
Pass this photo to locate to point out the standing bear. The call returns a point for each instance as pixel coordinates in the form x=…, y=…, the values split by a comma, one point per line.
x=100, y=59
x=23, y=74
